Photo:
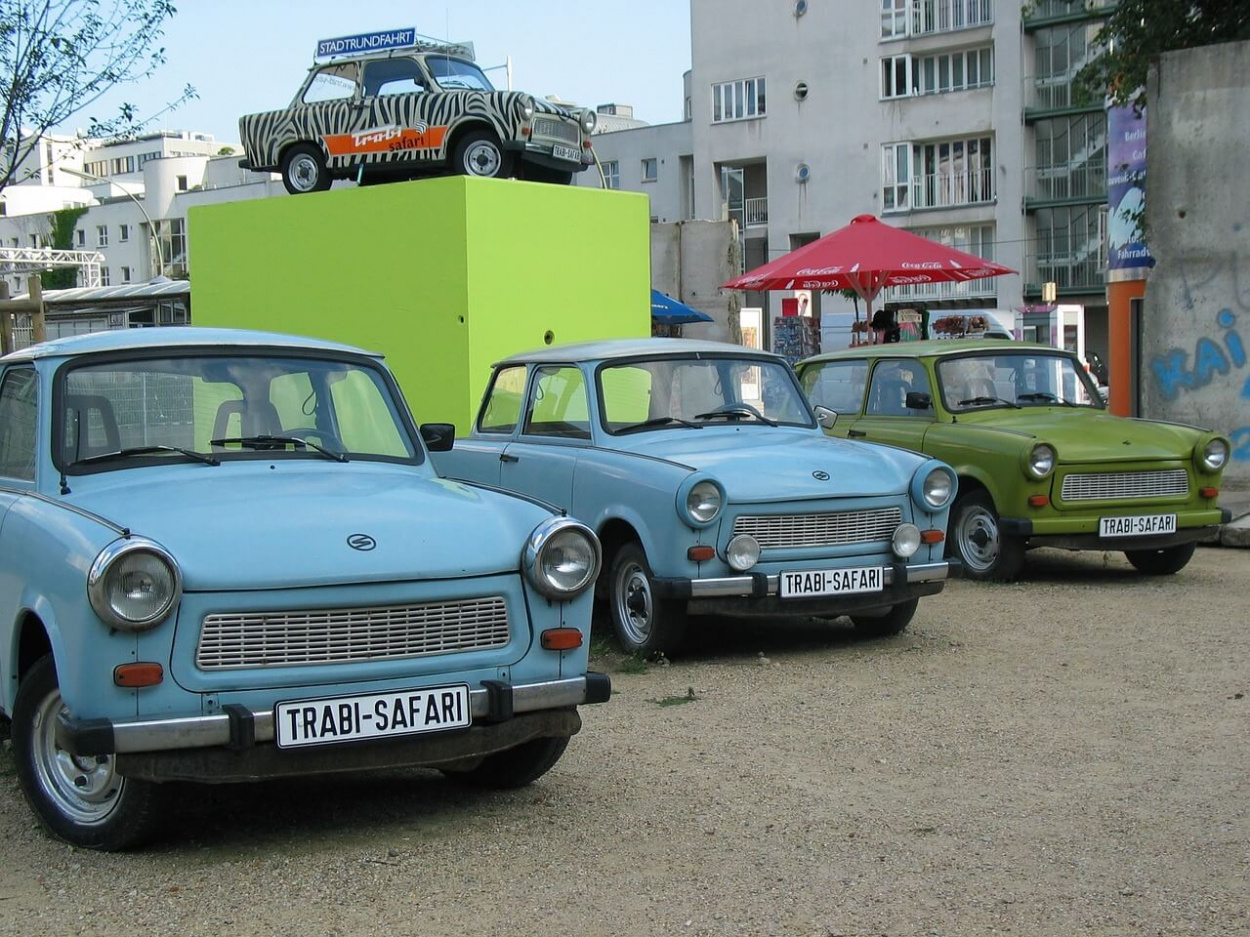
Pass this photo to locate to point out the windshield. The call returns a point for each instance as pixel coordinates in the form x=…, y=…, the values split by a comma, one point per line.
x=228, y=407
x=457, y=73
x=667, y=392
x=1015, y=379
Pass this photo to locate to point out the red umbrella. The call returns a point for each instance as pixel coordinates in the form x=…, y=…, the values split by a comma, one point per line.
x=866, y=256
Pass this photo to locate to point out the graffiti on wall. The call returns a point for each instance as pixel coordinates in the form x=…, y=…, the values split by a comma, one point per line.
x=1219, y=355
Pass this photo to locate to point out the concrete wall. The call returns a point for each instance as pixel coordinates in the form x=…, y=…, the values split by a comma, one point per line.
x=1196, y=323
x=689, y=261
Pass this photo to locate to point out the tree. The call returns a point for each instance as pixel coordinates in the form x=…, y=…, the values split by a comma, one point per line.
x=1138, y=31
x=58, y=57
x=62, y=223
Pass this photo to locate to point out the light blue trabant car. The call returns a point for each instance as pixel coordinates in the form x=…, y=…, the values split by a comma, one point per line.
x=701, y=467
x=225, y=556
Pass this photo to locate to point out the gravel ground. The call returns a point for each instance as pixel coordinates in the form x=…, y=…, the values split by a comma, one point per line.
x=1066, y=755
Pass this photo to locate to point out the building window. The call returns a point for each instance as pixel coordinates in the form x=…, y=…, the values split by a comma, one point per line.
x=34, y=240
x=123, y=233
x=738, y=100
x=937, y=174
x=105, y=276
x=82, y=237
x=173, y=237
x=102, y=236
x=936, y=74
x=939, y=16
x=182, y=183
x=896, y=76
x=896, y=176
x=125, y=274
x=612, y=174
x=650, y=170
x=130, y=164
x=893, y=19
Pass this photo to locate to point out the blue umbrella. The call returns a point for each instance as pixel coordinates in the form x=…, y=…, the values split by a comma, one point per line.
x=668, y=311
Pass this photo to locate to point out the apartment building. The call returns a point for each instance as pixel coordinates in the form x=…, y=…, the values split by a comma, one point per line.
x=955, y=119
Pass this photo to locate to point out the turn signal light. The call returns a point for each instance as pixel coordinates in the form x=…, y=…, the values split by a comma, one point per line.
x=700, y=554
x=932, y=536
x=1209, y=492
x=1039, y=501
x=139, y=674
x=561, y=639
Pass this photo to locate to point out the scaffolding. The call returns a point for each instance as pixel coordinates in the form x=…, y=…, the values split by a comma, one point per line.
x=19, y=260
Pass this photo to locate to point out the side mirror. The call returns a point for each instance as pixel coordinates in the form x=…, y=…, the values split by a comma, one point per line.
x=825, y=417
x=918, y=401
x=438, y=437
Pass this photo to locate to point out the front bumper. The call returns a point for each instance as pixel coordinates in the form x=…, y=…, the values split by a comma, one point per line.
x=237, y=744
x=1023, y=528
x=759, y=593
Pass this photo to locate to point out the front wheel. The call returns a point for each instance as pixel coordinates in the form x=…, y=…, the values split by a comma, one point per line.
x=894, y=621
x=80, y=799
x=978, y=542
x=515, y=767
x=479, y=153
x=304, y=170
x=644, y=623
x=1163, y=562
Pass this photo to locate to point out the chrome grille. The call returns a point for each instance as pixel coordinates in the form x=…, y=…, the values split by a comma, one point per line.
x=781, y=531
x=1123, y=486
x=350, y=635
x=562, y=130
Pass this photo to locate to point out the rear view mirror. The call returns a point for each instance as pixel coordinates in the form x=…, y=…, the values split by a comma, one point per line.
x=438, y=437
x=918, y=401
x=826, y=417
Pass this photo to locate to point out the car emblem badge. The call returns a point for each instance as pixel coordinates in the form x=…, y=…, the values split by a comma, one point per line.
x=820, y=476
x=362, y=542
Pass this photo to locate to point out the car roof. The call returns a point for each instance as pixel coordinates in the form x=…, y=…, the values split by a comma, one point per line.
x=632, y=348
x=936, y=348
x=173, y=337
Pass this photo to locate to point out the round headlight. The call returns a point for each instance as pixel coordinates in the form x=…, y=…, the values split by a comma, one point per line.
x=703, y=502
x=134, y=584
x=1041, y=461
x=742, y=553
x=561, y=558
x=526, y=104
x=937, y=489
x=588, y=121
x=906, y=540
x=1214, y=455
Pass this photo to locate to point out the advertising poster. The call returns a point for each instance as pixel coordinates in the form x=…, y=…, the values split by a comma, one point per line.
x=1126, y=190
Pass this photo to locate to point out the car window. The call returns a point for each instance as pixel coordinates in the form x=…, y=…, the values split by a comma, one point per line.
x=558, y=404
x=838, y=385
x=503, y=404
x=892, y=381
x=626, y=394
x=457, y=74
x=1017, y=378
x=19, y=398
x=333, y=83
x=358, y=399
x=393, y=76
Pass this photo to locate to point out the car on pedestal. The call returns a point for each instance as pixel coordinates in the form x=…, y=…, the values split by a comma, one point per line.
x=413, y=112
x=226, y=556
x=1040, y=460
x=712, y=488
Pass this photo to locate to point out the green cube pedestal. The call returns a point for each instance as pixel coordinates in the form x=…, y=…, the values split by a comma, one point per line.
x=444, y=276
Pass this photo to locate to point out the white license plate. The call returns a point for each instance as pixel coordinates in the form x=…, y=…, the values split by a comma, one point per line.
x=1139, y=525
x=799, y=585
x=566, y=152
x=373, y=716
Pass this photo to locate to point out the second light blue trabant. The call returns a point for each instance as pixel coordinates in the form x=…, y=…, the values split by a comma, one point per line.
x=712, y=488
x=225, y=556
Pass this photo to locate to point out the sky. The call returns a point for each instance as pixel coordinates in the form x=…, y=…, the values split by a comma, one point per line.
x=243, y=57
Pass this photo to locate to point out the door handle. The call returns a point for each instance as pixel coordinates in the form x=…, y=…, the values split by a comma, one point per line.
x=504, y=457
x=856, y=432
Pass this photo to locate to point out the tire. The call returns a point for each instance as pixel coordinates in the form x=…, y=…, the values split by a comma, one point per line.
x=1163, y=562
x=304, y=170
x=515, y=767
x=644, y=624
x=479, y=153
x=977, y=540
x=81, y=800
x=893, y=622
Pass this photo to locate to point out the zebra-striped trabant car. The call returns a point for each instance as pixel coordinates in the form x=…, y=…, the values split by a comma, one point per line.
x=408, y=113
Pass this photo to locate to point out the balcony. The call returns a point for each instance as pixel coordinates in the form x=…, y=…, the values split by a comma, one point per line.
x=1067, y=183
x=937, y=292
x=941, y=16
x=1047, y=12
x=1076, y=271
x=1056, y=93
x=948, y=189
x=755, y=212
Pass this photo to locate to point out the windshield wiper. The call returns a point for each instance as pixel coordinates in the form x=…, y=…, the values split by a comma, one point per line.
x=735, y=410
x=268, y=442
x=973, y=401
x=657, y=421
x=205, y=457
x=1042, y=395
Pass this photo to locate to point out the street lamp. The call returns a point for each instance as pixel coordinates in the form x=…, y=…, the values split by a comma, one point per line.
x=156, y=236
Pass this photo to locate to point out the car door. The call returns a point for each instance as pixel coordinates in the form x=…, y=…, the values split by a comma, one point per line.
x=556, y=430
x=839, y=386
x=898, y=409
x=19, y=422
x=399, y=95
x=479, y=458
x=331, y=111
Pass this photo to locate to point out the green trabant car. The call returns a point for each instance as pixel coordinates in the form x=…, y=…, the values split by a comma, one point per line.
x=1040, y=461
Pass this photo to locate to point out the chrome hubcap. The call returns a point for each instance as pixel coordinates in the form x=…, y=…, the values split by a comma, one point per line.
x=482, y=159
x=304, y=173
x=633, y=603
x=85, y=789
x=978, y=538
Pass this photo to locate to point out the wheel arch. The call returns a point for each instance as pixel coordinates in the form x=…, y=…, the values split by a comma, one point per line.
x=32, y=640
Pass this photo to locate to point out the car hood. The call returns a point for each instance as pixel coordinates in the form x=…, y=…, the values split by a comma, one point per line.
x=1088, y=435
x=246, y=526
x=778, y=463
